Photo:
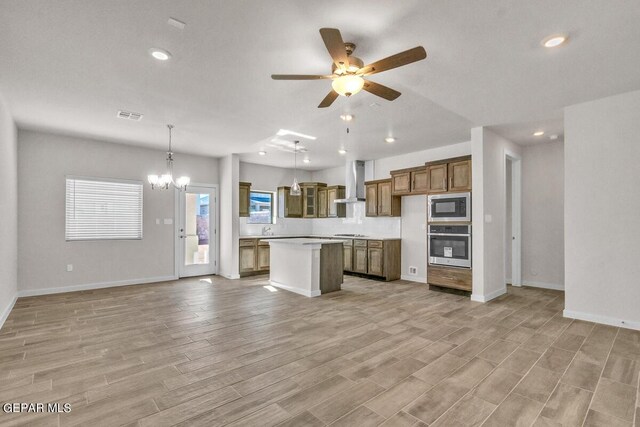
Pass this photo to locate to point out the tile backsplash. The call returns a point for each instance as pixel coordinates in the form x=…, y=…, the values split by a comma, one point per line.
x=356, y=222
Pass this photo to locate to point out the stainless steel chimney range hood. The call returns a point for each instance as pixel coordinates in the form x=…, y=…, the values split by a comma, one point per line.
x=354, y=182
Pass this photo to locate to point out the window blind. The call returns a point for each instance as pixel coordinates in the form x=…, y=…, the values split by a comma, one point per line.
x=101, y=209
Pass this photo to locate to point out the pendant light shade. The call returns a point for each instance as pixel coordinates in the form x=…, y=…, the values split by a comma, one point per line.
x=295, y=187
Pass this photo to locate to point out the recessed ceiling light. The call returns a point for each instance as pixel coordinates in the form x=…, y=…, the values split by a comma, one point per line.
x=342, y=151
x=538, y=133
x=306, y=160
x=346, y=117
x=262, y=153
x=160, y=54
x=554, y=40
x=389, y=139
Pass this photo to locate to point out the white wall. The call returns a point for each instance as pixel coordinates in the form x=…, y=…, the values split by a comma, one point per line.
x=229, y=222
x=9, y=209
x=488, y=212
x=543, y=215
x=602, y=206
x=269, y=178
x=43, y=254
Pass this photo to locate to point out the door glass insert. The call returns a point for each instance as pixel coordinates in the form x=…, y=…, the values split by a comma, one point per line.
x=197, y=228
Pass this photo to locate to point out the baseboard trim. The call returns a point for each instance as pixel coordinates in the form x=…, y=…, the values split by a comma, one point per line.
x=7, y=311
x=543, y=285
x=295, y=290
x=413, y=278
x=489, y=296
x=91, y=286
x=605, y=320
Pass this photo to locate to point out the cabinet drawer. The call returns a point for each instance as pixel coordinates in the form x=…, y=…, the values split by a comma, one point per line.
x=375, y=243
x=457, y=278
x=348, y=243
x=247, y=242
x=360, y=243
x=263, y=243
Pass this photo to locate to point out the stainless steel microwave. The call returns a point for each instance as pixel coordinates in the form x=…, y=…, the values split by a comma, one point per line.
x=449, y=207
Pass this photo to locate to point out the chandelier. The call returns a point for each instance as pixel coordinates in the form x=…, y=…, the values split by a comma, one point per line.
x=163, y=182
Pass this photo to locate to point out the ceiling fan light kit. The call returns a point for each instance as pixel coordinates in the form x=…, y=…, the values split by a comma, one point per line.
x=349, y=72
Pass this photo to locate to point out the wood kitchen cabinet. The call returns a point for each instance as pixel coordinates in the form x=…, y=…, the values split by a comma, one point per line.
x=254, y=257
x=263, y=256
x=289, y=206
x=379, y=199
x=409, y=181
x=336, y=210
x=450, y=277
x=322, y=203
x=247, y=256
x=449, y=175
x=243, y=197
x=310, y=198
x=380, y=258
x=460, y=175
x=348, y=255
x=360, y=257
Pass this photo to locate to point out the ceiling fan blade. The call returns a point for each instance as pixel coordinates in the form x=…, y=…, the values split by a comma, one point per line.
x=380, y=90
x=335, y=45
x=328, y=100
x=298, y=77
x=394, y=61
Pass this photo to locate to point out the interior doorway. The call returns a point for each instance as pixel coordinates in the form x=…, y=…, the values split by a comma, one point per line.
x=196, y=241
x=513, y=219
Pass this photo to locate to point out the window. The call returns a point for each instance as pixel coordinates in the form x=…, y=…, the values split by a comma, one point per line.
x=103, y=209
x=260, y=207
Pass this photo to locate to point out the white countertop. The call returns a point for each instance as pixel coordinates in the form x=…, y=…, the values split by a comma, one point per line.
x=303, y=241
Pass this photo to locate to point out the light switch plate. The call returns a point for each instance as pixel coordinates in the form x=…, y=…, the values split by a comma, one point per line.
x=69, y=267
x=157, y=221
x=488, y=218
x=168, y=221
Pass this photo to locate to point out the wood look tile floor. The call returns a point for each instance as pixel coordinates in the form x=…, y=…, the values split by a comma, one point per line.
x=213, y=352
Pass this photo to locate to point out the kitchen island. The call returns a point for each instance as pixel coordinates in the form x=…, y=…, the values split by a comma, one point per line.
x=306, y=266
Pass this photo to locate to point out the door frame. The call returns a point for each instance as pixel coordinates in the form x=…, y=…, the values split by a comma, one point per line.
x=516, y=216
x=178, y=256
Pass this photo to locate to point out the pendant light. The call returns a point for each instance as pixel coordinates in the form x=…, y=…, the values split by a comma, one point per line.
x=295, y=187
x=162, y=182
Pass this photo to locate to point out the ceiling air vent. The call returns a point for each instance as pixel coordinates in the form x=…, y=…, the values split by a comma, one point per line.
x=128, y=115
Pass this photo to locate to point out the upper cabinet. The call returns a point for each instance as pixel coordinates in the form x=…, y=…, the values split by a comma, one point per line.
x=449, y=175
x=243, y=196
x=409, y=181
x=289, y=206
x=310, y=198
x=336, y=210
x=380, y=200
x=322, y=203
x=460, y=175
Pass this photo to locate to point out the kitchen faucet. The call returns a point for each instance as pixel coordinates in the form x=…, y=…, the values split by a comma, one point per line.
x=266, y=231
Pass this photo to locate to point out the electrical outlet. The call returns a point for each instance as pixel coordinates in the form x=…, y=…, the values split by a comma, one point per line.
x=413, y=271
x=69, y=267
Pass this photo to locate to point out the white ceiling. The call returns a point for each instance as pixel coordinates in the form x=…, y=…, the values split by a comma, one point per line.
x=68, y=66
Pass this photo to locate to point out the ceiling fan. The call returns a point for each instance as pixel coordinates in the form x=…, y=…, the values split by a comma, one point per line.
x=348, y=71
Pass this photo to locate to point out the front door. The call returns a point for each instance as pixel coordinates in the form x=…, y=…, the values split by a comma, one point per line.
x=197, y=232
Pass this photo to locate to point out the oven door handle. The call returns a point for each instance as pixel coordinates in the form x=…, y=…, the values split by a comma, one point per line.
x=448, y=234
